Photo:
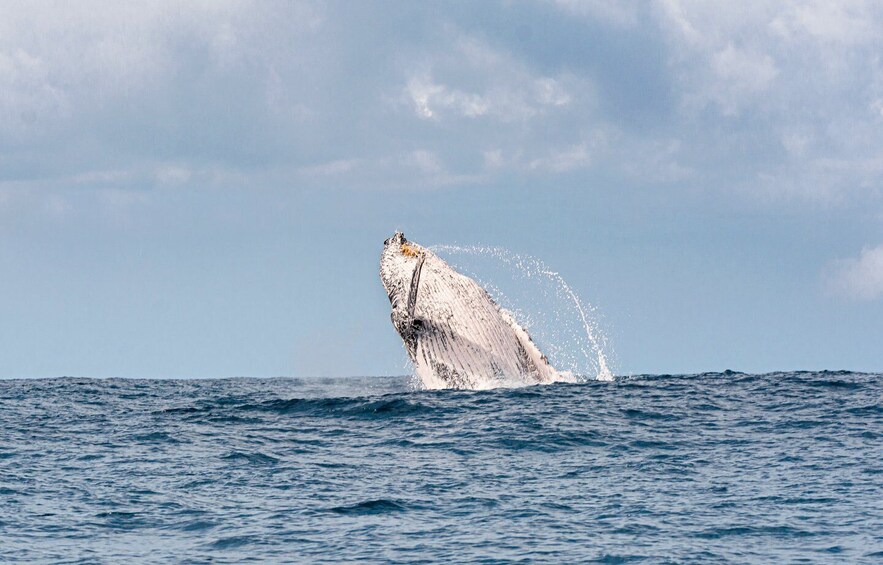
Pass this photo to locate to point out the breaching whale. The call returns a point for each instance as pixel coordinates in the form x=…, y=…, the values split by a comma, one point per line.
x=455, y=334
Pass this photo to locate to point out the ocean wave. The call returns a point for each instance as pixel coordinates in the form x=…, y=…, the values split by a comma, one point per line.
x=370, y=508
x=721, y=466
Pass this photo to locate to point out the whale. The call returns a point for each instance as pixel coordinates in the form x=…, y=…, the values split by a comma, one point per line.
x=455, y=334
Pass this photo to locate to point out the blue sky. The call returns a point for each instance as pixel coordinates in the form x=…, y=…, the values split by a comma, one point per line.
x=204, y=189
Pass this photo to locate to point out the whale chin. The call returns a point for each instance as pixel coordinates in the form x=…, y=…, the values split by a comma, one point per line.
x=455, y=334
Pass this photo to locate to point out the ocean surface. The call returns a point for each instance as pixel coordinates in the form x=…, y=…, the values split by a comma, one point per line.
x=720, y=467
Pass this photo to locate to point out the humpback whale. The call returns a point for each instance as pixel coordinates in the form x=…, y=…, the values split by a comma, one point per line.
x=455, y=334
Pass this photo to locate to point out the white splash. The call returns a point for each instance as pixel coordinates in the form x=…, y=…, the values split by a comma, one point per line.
x=572, y=338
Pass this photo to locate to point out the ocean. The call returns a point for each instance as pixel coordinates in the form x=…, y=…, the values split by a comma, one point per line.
x=707, y=468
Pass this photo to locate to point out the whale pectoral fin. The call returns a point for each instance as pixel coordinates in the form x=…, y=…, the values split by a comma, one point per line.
x=415, y=285
x=404, y=317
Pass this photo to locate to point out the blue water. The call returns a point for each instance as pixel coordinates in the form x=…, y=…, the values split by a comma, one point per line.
x=722, y=467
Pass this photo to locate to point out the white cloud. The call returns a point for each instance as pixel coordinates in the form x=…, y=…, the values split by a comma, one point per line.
x=519, y=100
x=741, y=74
x=170, y=174
x=481, y=81
x=85, y=83
x=803, y=78
x=846, y=22
x=780, y=99
x=431, y=99
x=82, y=56
x=28, y=95
x=720, y=53
x=859, y=278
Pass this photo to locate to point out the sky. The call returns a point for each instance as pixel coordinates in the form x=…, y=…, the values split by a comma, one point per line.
x=202, y=189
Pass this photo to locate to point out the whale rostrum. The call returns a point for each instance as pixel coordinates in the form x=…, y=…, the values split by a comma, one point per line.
x=455, y=334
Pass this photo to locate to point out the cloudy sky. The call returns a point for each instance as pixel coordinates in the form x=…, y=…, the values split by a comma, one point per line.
x=203, y=188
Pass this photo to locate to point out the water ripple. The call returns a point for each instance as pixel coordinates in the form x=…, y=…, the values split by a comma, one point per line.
x=718, y=467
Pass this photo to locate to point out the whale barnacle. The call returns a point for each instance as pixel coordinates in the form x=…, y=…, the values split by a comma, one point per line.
x=409, y=250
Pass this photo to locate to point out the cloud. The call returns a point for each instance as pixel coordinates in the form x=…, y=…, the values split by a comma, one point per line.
x=482, y=82
x=27, y=95
x=429, y=97
x=105, y=85
x=859, y=278
x=796, y=84
x=829, y=22
x=529, y=99
x=741, y=73
x=777, y=101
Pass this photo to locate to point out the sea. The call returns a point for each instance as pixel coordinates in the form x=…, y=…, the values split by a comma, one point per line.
x=706, y=468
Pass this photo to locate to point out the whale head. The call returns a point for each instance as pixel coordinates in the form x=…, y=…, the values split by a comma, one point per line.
x=397, y=263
